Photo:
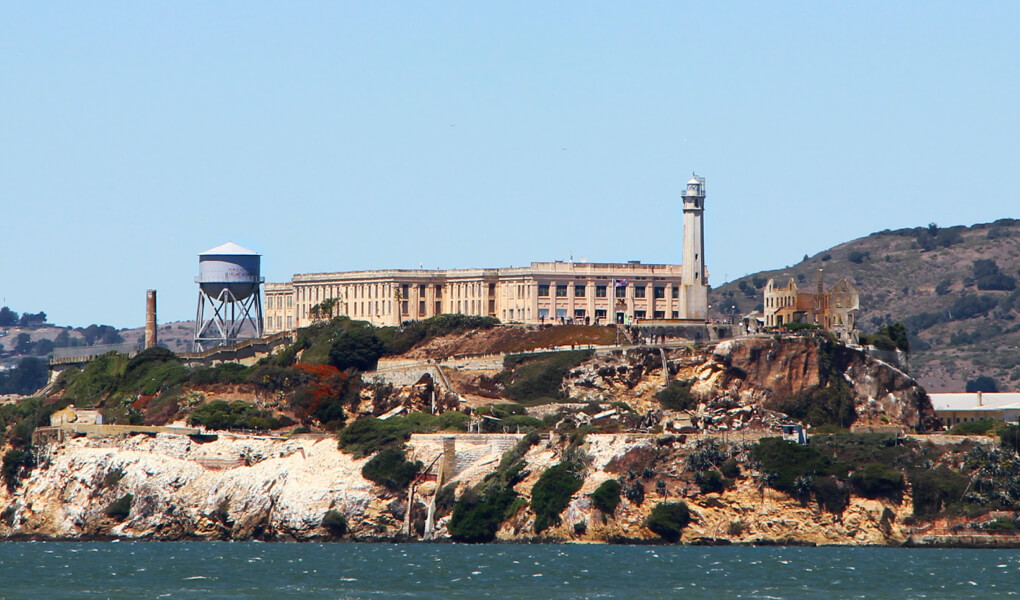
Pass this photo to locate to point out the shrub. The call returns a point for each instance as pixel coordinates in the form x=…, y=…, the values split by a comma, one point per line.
x=712, y=482
x=370, y=435
x=234, y=415
x=358, y=348
x=1010, y=437
x=534, y=377
x=787, y=461
x=677, y=396
x=16, y=462
x=730, y=468
x=935, y=489
x=120, y=508
x=979, y=427
x=476, y=517
x=668, y=519
x=391, y=469
x=943, y=287
x=552, y=493
x=875, y=480
x=982, y=383
x=832, y=494
x=335, y=522
x=830, y=405
x=857, y=257
x=606, y=497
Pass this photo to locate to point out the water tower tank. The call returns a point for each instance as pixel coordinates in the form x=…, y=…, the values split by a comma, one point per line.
x=229, y=267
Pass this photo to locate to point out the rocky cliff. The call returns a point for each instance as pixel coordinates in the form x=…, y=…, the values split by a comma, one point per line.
x=250, y=487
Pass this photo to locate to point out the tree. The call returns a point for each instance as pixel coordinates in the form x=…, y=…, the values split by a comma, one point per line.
x=982, y=383
x=8, y=317
x=356, y=349
x=30, y=320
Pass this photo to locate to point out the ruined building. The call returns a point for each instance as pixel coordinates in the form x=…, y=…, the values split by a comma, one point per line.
x=834, y=309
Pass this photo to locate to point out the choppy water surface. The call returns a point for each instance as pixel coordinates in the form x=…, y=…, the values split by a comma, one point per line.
x=253, y=570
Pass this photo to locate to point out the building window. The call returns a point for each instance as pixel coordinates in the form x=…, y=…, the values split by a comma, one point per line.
x=600, y=291
x=676, y=292
x=403, y=307
x=543, y=290
x=290, y=302
x=578, y=313
x=439, y=307
x=492, y=290
x=660, y=314
x=421, y=289
x=421, y=308
x=561, y=291
x=439, y=292
x=639, y=291
x=405, y=291
x=290, y=322
x=600, y=313
x=621, y=291
x=579, y=291
x=660, y=291
x=543, y=313
x=639, y=314
x=676, y=314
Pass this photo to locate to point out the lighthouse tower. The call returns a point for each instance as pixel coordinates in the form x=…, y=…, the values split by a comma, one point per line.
x=694, y=275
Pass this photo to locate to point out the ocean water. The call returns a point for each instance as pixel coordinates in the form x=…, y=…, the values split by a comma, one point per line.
x=215, y=570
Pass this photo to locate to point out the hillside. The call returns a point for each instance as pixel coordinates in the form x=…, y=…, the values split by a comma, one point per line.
x=960, y=309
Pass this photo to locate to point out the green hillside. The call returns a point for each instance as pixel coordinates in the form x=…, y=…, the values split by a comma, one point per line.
x=956, y=288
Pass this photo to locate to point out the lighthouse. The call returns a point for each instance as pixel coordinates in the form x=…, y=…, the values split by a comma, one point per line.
x=694, y=275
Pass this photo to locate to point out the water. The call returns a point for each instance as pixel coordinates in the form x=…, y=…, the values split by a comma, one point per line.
x=212, y=570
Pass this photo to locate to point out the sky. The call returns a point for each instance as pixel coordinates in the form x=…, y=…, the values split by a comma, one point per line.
x=336, y=136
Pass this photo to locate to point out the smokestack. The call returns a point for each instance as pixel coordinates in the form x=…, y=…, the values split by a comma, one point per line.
x=150, y=319
x=821, y=288
x=980, y=399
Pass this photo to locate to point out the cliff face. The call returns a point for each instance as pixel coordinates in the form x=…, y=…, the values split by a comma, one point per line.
x=245, y=488
x=739, y=382
x=234, y=487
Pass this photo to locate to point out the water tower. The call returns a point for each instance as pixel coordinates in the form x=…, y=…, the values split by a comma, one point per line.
x=228, y=283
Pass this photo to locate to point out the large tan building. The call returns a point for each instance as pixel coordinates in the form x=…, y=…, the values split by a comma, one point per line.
x=835, y=309
x=544, y=292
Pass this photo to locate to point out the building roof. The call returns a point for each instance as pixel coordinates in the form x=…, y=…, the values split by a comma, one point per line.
x=975, y=401
x=230, y=248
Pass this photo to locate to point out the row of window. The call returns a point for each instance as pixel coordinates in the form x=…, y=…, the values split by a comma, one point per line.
x=600, y=291
x=279, y=301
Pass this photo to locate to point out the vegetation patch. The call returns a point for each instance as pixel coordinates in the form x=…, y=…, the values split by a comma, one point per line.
x=531, y=378
x=677, y=396
x=335, y=523
x=606, y=497
x=876, y=480
x=552, y=492
x=668, y=520
x=391, y=469
x=220, y=414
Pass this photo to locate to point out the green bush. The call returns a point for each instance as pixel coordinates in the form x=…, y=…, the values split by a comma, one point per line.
x=875, y=480
x=677, y=396
x=730, y=468
x=16, y=462
x=787, y=461
x=335, y=522
x=219, y=414
x=606, y=497
x=935, y=490
x=712, y=482
x=979, y=427
x=358, y=348
x=534, y=377
x=476, y=517
x=370, y=435
x=832, y=494
x=668, y=520
x=221, y=373
x=552, y=492
x=120, y=508
x=391, y=469
x=1010, y=437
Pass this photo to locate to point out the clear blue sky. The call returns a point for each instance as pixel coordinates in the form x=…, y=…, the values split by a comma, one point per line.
x=340, y=136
